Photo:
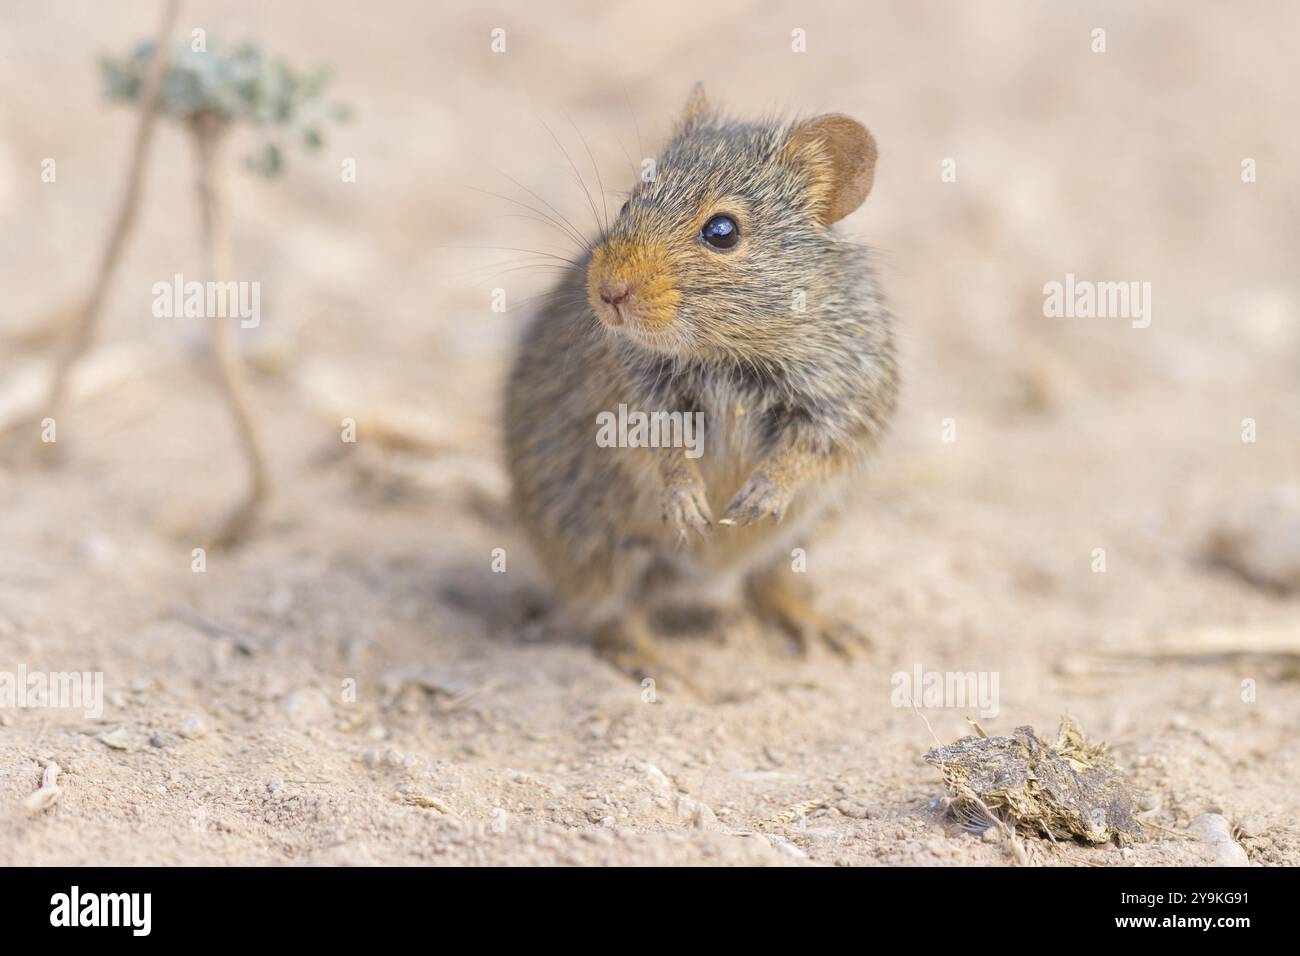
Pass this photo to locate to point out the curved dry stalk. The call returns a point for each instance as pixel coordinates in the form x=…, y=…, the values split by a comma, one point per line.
x=86, y=316
x=208, y=132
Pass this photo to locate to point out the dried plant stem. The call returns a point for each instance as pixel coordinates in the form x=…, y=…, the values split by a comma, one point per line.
x=86, y=316
x=209, y=133
x=49, y=791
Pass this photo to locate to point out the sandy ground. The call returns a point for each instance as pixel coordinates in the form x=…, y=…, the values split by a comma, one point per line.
x=230, y=735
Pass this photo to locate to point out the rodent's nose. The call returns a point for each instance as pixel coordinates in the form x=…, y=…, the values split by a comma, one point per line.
x=614, y=293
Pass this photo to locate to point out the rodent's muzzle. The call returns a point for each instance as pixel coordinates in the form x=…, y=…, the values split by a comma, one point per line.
x=630, y=286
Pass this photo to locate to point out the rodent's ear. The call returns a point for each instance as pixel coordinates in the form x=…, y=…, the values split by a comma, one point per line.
x=840, y=156
x=698, y=107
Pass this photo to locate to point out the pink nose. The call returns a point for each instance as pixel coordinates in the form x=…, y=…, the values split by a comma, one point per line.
x=614, y=293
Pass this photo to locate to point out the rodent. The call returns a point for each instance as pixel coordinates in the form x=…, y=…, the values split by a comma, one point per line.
x=769, y=323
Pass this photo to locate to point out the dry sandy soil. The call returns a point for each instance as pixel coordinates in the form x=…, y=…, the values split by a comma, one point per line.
x=231, y=735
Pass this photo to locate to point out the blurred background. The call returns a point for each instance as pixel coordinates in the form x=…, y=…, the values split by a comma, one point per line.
x=372, y=561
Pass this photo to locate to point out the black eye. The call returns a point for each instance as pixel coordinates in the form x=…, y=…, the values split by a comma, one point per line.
x=721, y=232
x=623, y=211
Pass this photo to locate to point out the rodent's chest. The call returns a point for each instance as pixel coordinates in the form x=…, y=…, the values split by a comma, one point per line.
x=735, y=434
x=735, y=416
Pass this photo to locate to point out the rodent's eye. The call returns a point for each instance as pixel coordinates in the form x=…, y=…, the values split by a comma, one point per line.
x=721, y=232
x=623, y=211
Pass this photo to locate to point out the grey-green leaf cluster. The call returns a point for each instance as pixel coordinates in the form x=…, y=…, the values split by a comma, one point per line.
x=287, y=107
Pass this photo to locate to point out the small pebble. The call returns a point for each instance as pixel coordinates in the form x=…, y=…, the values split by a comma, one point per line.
x=854, y=809
x=306, y=706
x=192, y=729
x=1214, y=830
x=119, y=739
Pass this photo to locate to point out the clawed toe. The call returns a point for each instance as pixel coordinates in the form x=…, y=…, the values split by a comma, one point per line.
x=839, y=636
x=631, y=652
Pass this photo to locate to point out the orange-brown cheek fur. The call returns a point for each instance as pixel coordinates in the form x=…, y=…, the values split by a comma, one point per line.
x=645, y=268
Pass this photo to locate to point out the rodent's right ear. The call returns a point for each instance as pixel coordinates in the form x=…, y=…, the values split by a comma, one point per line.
x=840, y=156
x=698, y=108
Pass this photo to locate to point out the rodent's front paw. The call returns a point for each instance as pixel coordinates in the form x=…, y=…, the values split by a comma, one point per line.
x=760, y=497
x=685, y=506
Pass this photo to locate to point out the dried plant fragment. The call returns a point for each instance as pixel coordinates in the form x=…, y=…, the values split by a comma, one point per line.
x=1070, y=789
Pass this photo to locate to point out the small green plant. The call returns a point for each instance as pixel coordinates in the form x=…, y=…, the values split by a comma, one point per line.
x=218, y=88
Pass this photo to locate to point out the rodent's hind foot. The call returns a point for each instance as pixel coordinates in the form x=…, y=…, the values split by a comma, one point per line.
x=628, y=645
x=780, y=601
x=839, y=635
